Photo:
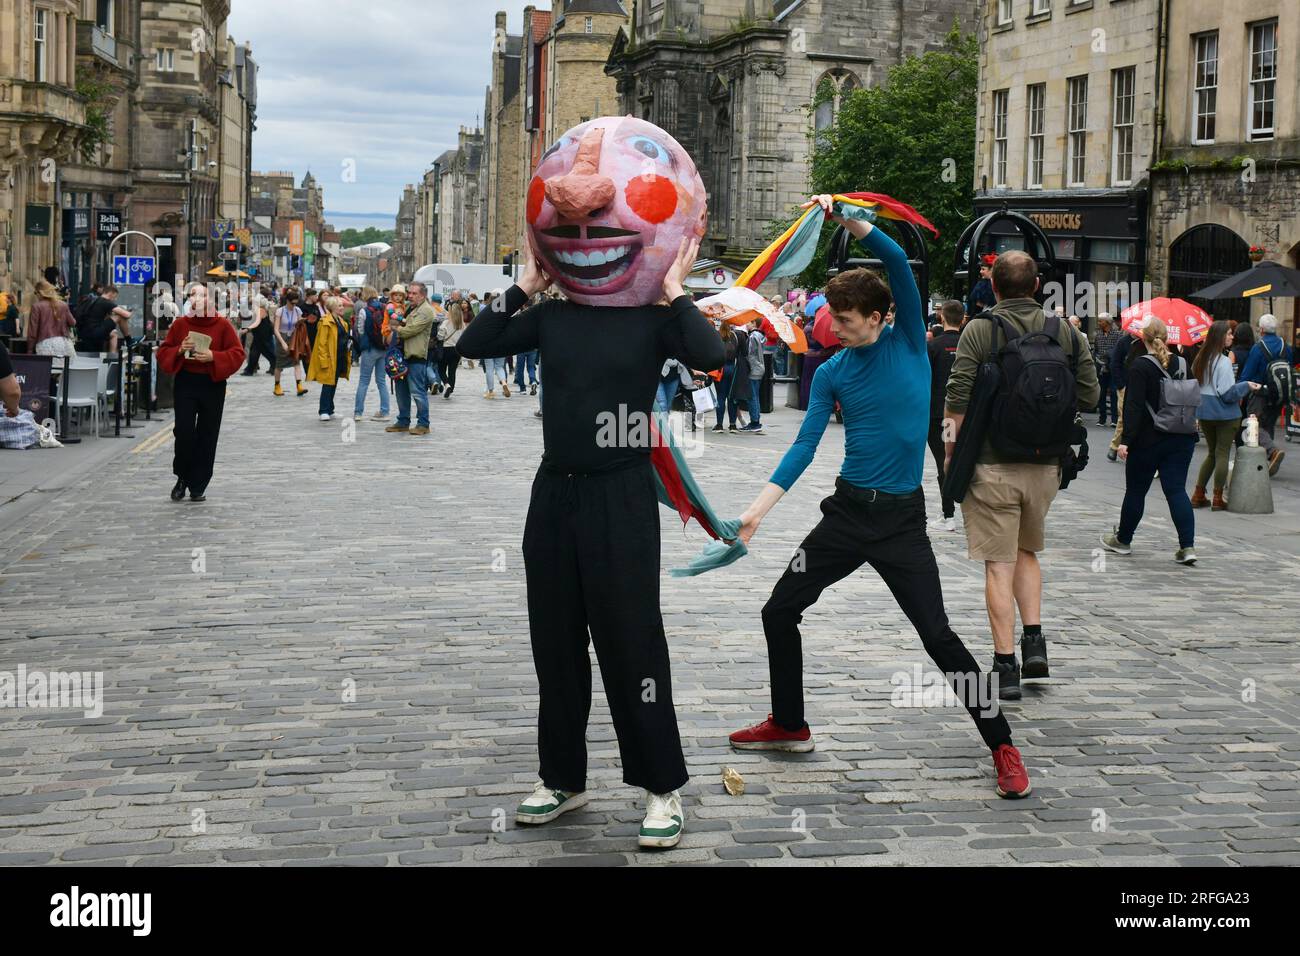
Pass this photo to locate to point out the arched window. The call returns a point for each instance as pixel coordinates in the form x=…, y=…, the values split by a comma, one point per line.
x=828, y=96
x=1202, y=256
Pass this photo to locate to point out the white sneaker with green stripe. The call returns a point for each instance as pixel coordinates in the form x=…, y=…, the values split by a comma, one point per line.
x=546, y=804
x=662, y=826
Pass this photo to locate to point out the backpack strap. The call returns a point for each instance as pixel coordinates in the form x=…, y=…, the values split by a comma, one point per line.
x=1156, y=361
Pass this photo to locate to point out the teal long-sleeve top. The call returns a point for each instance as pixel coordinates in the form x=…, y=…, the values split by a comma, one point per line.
x=883, y=390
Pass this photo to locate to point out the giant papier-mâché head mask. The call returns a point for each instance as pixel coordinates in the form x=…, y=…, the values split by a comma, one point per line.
x=608, y=207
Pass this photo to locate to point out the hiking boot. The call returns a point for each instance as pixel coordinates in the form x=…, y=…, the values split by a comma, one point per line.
x=419, y=430
x=546, y=804
x=1013, y=778
x=302, y=390
x=662, y=827
x=1185, y=556
x=769, y=735
x=489, y=394
x=1008, y=679
x=1219, y=504
x=505, y=390
x=398, y=428
x=1033, y=655
x=1198, y=497
x=1275, y=461
x=278, y=389
x=1111, y=542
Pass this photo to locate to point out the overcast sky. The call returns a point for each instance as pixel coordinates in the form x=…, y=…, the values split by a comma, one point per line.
x=387, y=83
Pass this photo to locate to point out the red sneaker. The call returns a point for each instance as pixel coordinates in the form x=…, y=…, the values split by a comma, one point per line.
x=1013, y=778
x=770, y=735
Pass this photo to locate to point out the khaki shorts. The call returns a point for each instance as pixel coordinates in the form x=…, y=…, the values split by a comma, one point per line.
x=1006, y=507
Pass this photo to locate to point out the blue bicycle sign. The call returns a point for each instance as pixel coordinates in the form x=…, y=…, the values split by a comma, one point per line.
x=133, y=270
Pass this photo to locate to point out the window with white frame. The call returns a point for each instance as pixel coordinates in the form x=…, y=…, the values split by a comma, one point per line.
x=1205, y=89
x=1035, y=118
x=40, y=60
x=1041, y=6
x=1004, y=11
x=165, y=60
x=1077, y=126
x=586, y=24
x=1000, y=137
x=1263, y=78
x=1123, y=83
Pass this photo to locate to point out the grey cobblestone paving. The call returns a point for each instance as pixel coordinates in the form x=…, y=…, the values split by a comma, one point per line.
x=349, y=681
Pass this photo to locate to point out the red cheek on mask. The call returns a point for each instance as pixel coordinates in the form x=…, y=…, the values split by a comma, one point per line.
x=653, y=198
x=536, y=193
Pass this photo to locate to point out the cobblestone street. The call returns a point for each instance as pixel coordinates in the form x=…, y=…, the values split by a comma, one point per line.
x=328, y=663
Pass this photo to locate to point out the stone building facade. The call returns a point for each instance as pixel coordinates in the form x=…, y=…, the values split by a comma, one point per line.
x=578, y=44
x=735, y=81
x=1228, y=156
x=178, y=127
x=237, y=80
x=42, y=123
x=502, y=146
x=95, y=186
x=460, y=225
x=1065, y=134
x=533, y=92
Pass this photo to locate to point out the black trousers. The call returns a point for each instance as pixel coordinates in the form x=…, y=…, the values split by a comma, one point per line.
x=890, y=536
x=591, y=555
x=935, y=441
x=448, y=360
x=199, y=403
x=260, y=347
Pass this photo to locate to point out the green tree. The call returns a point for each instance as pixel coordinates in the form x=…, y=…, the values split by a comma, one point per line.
x=351, y=238
x=912, y=138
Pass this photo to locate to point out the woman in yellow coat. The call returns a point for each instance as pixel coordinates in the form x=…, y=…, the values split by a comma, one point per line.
x=330, y=358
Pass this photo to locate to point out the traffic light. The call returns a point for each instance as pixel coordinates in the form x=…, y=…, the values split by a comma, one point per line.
x=231, y=247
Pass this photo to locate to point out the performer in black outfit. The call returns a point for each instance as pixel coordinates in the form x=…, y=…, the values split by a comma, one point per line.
x=591, y=541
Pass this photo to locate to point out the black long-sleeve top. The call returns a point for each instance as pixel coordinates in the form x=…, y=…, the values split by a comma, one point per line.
x=1143, y=390
x=597, y=362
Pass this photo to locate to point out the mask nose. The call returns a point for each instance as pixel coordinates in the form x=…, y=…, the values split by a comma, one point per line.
x=583, y=190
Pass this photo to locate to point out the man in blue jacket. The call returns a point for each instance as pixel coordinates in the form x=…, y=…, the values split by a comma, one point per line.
x=881, y=381
x=1270, y=348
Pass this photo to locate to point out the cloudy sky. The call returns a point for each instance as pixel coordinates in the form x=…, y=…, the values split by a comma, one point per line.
x=384, y=83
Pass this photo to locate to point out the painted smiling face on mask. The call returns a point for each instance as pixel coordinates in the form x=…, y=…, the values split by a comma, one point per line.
x=608, y=207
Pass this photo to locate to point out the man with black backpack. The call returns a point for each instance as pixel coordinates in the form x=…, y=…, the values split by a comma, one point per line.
x=943, y=352
x=1047, y=377
x=1269, y=365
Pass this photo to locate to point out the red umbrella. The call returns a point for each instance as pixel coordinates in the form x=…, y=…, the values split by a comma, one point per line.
x=1187, y=323
x=822, y=333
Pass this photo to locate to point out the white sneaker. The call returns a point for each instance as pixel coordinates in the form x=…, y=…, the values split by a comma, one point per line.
x=379, y=417
x=950, y=524
x=324, y=417
x=546, y=804
x=662, y=826
x=943, y=524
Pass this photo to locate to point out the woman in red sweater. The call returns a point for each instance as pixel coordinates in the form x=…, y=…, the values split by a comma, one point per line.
x=200, y=389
